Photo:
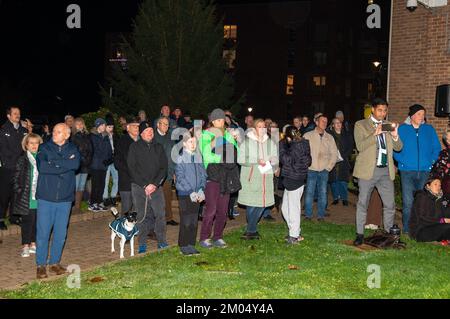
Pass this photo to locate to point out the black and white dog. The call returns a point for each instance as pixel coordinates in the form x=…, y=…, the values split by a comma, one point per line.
x=125, y=228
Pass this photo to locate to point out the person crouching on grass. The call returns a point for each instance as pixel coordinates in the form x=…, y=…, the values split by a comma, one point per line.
x=24, y=186
x=429, y=220
x=190, y=183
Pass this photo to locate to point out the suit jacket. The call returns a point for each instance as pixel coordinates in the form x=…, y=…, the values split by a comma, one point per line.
x=366, y=145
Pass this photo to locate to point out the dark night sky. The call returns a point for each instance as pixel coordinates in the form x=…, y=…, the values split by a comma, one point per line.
x=42, y=58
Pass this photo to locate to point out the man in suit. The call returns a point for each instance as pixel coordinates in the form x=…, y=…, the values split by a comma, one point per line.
x=374, y=165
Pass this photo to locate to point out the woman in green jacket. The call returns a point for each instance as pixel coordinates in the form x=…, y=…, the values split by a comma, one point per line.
x=258, y=157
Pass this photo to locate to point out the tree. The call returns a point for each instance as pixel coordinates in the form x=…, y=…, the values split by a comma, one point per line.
x=175, y=58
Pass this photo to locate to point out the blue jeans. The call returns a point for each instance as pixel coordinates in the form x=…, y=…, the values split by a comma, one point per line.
x=253, y=216
x=339, y=190
x=80, y=180
x=115, y=187
x=319, y=179
x=51, y=215
x=411, y=182
x=267, y=212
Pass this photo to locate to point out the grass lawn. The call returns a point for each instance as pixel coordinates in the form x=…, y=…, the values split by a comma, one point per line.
x=320, y=267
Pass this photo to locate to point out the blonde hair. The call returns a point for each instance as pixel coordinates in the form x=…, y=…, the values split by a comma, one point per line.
x=257, y=121
x=27, y=138
x=79, y=120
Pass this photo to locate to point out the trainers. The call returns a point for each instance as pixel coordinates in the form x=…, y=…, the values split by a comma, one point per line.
x=235, y=213
x=186, y=251
x=107, y=202
x=359, y=240
x=32, y=249
x=162, y=246
x=58, y=269
x=102, y=207
x=207, y=243
x=142, y=249
x=292, y=241
x=193, y=250
x=220, y=243
x=41, y=272
x=25, y=252
x=94, y=208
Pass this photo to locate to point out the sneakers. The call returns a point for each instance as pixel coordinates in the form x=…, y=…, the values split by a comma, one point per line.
x=58, y=269
x=94, y=208
x=102, y=207
x=162, y=246
x=41, y=272
x=32, y=249
x=25, y=252
x=292, y=241
x=250, y=236
x=220, y=243
x=207, y=243
x=235, y=213
x=359, y=240
x=3, y=226
x=142, y=249
x=189, y=250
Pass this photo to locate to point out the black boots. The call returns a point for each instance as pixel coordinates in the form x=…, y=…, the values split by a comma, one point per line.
x=359, y=240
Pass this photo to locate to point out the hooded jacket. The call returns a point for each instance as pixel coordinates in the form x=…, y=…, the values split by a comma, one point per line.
x=102, y=152
x=190, y=173
x=420, y=149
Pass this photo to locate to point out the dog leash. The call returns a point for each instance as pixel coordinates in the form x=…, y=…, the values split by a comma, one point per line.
x=145, y=208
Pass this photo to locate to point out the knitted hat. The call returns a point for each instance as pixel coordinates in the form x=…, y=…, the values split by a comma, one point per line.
x=415, y=108
x=143, y=126
x=217, y=114
x=99, y=122
x=133, y=120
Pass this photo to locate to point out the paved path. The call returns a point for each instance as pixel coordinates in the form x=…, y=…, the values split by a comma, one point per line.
x=88, y=245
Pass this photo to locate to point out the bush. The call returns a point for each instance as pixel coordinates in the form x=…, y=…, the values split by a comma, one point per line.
x=89, y=119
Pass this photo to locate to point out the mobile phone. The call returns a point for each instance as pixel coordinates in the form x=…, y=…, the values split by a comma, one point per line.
x=388, y=127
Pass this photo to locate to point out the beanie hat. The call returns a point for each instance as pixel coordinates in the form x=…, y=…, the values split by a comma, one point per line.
x=99, y=122
x=217, y=114
x=109, y=119
x=143, y=126
x=133, y=120
x=415, y=108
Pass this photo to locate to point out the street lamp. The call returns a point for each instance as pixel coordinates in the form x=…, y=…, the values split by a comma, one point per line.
x=250, y=110
x=377, y=64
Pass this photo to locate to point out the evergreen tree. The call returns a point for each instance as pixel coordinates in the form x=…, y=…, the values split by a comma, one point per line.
x=175, y=58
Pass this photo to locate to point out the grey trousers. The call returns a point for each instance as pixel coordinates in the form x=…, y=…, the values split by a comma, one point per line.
x=127, y=201
x=152, y=219
x=385, y=186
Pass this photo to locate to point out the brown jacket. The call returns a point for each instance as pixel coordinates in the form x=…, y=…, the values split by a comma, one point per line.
x=324, y=152
x=366, y=143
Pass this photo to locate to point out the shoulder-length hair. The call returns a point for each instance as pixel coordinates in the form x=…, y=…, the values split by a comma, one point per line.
x=80, y=120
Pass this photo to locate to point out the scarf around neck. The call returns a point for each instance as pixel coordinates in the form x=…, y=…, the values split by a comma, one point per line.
x=35, y=176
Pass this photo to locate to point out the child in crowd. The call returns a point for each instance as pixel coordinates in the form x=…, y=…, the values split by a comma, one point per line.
x=190, y=183
x=24, y=186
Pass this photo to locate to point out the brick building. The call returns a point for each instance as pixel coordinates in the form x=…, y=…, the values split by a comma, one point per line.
x=420, y=60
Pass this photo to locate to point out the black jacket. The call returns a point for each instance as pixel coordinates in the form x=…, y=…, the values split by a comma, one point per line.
x=21, y=187
x=84, y=144
x=102, y=155
x=167, y=143
x=426, y=211
x=11, y=144
x=341, y=171
x=147, y=163
x=295, y=159
x=226, y=174
x=120, y=162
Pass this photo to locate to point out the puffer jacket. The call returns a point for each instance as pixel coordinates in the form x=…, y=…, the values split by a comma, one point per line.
x=190, y=173
x=21, y=187
x=295, y=159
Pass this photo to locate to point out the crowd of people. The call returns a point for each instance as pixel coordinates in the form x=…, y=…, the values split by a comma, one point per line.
x=214, y=167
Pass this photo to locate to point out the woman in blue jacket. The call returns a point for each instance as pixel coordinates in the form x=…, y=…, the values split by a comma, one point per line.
x=190, y=183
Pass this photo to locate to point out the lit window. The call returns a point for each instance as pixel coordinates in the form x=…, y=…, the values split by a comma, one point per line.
x=290, y=85
x=230, y=58
x=230, y=32
x=320, y=80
